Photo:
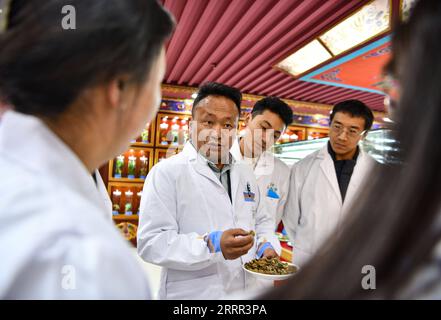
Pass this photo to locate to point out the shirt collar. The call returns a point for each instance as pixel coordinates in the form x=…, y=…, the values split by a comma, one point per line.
x=333, y=155
x=211, y=164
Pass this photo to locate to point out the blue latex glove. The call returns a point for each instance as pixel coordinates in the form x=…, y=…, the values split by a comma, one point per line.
x=262, y=249
x=215, y=238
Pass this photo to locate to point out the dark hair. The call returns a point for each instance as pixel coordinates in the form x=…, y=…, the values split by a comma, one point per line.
x=276, y=106
x=218, y=89
x=355, y=108
x=394, y=225
x=44, y=68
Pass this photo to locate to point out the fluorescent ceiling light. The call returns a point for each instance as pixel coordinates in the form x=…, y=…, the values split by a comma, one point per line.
x=311, y=55
x=370, y=21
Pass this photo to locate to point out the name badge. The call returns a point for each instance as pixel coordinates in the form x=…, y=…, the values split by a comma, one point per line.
x=248, y=196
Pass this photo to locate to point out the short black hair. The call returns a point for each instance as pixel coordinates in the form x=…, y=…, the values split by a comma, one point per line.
x=355, y=108
x=114, y=38
x=276, y=106
x=218, y=89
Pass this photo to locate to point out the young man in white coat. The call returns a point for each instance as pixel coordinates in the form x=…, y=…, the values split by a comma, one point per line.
x=199, y=207
x=264, y=126
x=325, y=183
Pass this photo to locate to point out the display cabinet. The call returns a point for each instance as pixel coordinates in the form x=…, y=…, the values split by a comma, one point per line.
x=380, y=144
x=147, y=137
x=161, y=154
x=126, y=199
x=172, y=129
x=292, y=134
x=316, y=133
x=131, y=166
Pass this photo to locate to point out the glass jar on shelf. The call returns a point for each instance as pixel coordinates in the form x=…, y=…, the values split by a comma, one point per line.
x=139, y=194
x=131, y=167
x=128, y=207
x=293, y=138
x=174, y=133
x=163, y=130
x=144, y=166
x=285, y=138
x=145, y=134
x=119, y=165
x=116, y=198
x=184, y=135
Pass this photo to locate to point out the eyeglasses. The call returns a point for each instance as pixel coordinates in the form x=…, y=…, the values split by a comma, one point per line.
x=351, y=132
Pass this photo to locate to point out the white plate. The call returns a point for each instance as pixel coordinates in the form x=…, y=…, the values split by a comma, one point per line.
x=272, y=276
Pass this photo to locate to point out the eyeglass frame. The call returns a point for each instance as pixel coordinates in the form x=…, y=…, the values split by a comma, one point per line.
x=343, y=128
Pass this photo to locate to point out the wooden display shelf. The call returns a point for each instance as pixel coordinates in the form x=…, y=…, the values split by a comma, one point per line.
x=165, y=135
x=141, y=144
x=134, y=180
x=123, y=217
x=317, y=133
x=124, y=185
x=166, y=153
x=136, y=151
x=121, y=200
x=152, y=132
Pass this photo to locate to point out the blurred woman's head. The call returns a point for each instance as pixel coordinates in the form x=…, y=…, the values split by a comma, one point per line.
x=104, y=75
x=395, y=225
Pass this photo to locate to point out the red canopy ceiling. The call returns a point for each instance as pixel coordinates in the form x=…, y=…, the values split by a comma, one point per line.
x=238, y=41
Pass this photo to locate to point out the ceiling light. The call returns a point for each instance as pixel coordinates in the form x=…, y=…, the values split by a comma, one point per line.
x=311, y=55
x=367, y=23
x=372, y=20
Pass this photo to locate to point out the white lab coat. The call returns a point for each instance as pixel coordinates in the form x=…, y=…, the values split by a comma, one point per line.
x=55, y=239
x=182, y=200
x=104, y=194
x=314, y=208
x=272, y=176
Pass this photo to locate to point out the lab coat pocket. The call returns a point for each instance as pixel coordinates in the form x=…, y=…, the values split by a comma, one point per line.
x=207, y=287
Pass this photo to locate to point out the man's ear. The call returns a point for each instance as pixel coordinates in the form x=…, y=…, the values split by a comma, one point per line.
x=248, y=119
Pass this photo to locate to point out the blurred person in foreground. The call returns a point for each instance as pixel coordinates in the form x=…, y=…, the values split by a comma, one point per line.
x=395, y=226
x=79, y=96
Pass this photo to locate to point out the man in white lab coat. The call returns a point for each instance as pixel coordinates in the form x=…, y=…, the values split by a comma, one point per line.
x=325, y=183
x=264, y=126
x=199, y=207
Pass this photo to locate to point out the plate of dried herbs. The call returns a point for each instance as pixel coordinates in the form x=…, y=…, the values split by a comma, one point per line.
x=270, y=269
